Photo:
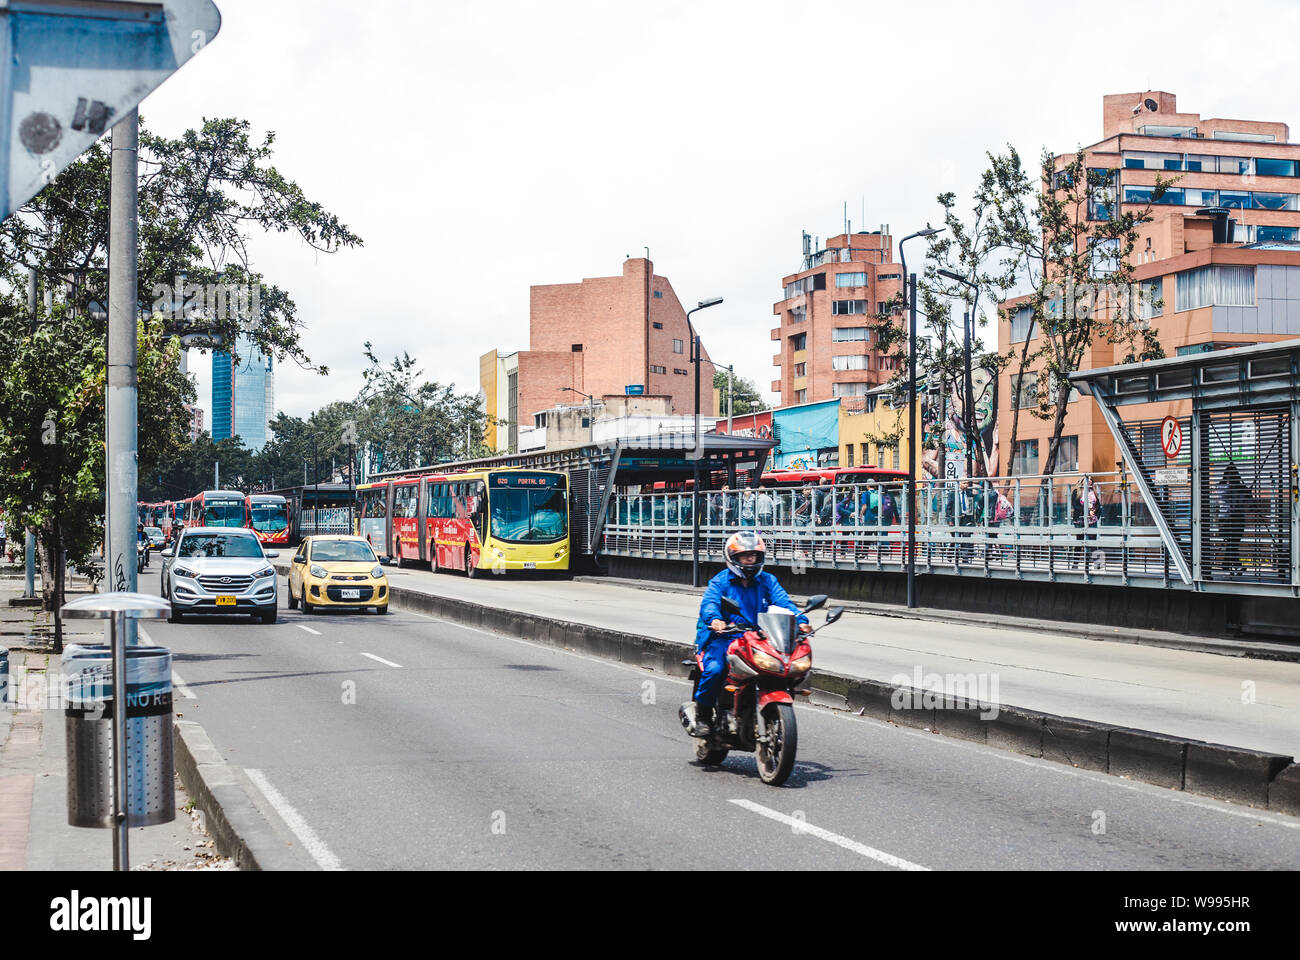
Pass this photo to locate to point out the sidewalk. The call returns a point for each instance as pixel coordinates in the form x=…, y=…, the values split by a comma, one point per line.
x=34, y=830
x=1251, y=703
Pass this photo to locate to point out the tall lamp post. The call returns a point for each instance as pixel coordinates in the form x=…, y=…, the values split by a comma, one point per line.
x=968, y=334
x=909, y=292
x=698, y=453
x=591, y=412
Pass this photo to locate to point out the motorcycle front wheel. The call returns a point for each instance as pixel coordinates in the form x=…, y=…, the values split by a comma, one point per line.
x=776, y=756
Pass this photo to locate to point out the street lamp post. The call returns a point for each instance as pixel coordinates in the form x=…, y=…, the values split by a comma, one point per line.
x=698, y=453
x=968, y=334
x=591, y=412
x=909, y=290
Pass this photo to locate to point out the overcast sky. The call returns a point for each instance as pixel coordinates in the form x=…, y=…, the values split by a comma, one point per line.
x=479, y=148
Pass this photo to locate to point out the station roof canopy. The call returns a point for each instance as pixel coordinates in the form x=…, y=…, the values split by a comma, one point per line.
x=1261, y=375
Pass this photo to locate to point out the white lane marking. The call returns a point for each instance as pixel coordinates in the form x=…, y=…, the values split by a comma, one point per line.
x=293, y=819
x=800, y=826
x=1047, y=766
x=303, y=626
x=179, y=684
x=382, y=660
x=145, y=639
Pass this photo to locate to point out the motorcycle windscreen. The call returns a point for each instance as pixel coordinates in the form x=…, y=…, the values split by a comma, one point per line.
x=779, y=624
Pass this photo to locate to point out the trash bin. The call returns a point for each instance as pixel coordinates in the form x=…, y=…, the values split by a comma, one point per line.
x=151, y=792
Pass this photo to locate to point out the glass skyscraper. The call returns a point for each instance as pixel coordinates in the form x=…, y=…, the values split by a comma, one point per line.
x=243, y=395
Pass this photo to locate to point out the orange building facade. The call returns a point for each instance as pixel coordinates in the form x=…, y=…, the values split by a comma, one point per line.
x=827, y=348
x=600, y=336
x=1218, y=267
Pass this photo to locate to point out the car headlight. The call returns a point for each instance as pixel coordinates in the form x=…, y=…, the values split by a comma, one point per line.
x=802, y=665
x=765, y=662
x=377, y=573
x=268, y=572
x=319, y=573
x=184, y=572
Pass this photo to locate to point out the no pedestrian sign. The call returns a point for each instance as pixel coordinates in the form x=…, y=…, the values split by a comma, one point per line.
x=1171, y=437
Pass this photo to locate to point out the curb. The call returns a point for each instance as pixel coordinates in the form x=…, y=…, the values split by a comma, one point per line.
x=1223, y=647
x=1234, y=774
x=239, y=829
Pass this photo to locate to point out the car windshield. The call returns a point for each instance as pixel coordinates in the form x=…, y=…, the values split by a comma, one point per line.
x=219, y=545
x=342, y=551
x=270, y=517
x=153, y=531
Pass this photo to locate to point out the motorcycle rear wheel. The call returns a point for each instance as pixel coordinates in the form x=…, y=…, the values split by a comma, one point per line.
x=708, y=755
x=776, y=756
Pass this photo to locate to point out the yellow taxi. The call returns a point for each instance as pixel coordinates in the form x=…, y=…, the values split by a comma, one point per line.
x=336, y=572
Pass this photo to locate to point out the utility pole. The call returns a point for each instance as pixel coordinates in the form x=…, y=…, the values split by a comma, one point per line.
x=216, y=476
x=123, y=314
x=729, y=400
x=29, y=584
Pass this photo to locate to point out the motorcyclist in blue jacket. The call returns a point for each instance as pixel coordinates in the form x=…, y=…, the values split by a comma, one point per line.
x=745, y=583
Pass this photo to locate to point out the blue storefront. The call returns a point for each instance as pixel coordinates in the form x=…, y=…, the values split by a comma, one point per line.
x=808, y=435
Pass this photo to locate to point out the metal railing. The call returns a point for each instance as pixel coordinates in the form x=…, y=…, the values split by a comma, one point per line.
x=1091, y=528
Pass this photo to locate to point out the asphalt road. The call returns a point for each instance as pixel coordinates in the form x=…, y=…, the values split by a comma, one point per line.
x=403, y=742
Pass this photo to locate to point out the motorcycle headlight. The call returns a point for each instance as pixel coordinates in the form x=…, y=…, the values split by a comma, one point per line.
x=765, y=662
x=262, y=574
x=802, y=665
x=184, y=572
x=319, y=573
x=377, y=573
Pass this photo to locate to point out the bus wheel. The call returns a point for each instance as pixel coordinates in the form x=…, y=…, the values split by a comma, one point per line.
x=471, y=571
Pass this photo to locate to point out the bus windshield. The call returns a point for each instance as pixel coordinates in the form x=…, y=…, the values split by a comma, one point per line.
x=529, y=516
x=221, y=513
x=270, y=517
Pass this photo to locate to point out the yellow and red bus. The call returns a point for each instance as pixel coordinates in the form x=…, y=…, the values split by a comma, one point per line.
x=268, y=515
x=473, y=521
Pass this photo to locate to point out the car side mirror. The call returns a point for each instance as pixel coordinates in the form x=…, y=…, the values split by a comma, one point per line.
x=834, y=614
x=299, y=559
x=166, y=553
x=815, y=602
x=272, y=554
x=730, y=606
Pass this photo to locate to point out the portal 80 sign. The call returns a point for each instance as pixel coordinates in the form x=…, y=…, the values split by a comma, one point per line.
x=70, y=69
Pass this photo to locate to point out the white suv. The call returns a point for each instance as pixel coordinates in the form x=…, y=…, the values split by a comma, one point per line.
x=218, y=570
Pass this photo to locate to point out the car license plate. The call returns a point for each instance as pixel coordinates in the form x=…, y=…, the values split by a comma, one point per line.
x=225, y=601
x=530, y=565
x=351, y=594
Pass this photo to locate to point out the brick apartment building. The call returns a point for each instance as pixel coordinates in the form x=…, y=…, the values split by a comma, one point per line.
x=1222, y=257
x=600, y=336
x=827, y=347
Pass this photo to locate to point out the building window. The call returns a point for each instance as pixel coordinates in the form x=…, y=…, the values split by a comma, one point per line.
x=681, y=372
x=657, y=325
x=894, y=451
x=801, y=396
x=1220, y=286
x=1025, y=461
x=798, y=315
x=1067, y=454
x=1153, y=292
x=1022, y=324
x=849, y=389
x=1172, y=196
x=801, y=370
x=659, y=294
x=1024, y=391
x=851, y=279
x=888, y=276
x=805, y=285
x=850, y=334
x=1103, y=256
x=539, y=419
x=851, y=362
x=842, y=307
x=1269, y=167
x=679, y=346
x=1265, y=234
x=799, y=342
x=848, y=454
x=655, y=369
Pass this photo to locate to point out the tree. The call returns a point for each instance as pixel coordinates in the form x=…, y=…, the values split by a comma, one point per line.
x=745, y=397
x=1080, y=276
x=52, y=386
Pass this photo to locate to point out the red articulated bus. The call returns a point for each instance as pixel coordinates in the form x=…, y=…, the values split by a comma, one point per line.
x=268, y=515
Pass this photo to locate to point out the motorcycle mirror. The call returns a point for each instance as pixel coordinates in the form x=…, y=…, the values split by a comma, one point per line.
x=834, y=614
x=730, y=606
x=816, y=602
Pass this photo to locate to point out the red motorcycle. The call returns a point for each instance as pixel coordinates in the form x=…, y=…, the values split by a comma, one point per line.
x=755, y=710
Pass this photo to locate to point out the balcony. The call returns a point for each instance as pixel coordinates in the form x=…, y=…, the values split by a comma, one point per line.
x=776, y=334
